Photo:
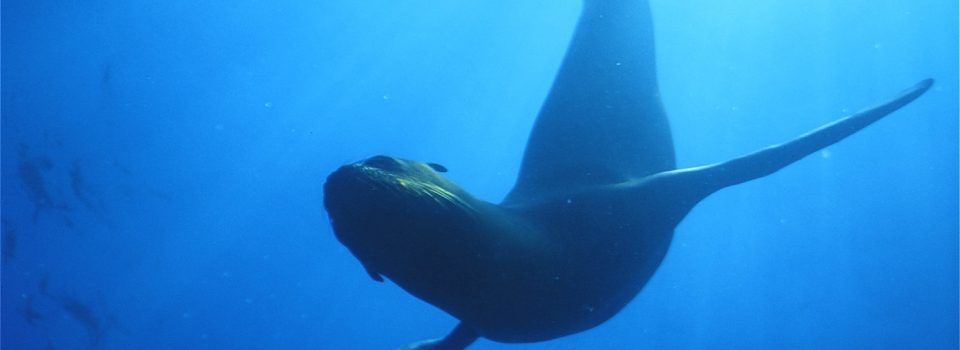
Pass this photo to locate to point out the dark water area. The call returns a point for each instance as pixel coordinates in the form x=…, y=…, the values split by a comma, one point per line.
x=163, y=164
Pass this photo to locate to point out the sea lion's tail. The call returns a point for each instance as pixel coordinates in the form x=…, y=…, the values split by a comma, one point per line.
x=694, y=184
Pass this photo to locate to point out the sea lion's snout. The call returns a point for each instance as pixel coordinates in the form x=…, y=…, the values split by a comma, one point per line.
x=381, y=193
x=387, y=210
x=361, y=205
x=382, y=162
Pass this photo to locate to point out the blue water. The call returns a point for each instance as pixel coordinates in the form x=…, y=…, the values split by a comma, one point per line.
x=162, y=165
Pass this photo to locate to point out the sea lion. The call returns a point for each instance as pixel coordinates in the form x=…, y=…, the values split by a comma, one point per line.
x=592, y=213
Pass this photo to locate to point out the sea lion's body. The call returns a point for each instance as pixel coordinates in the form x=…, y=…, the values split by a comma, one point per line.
x=590, y=218
x=556, y=266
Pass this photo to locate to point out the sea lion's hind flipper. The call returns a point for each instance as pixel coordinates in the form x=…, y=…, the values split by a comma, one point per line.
x=460, y=338
x=602, y=121
x=690, y=185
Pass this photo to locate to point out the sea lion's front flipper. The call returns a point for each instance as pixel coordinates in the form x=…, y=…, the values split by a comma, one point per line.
x=460, y=338
x=688, y=186
x=603, y=121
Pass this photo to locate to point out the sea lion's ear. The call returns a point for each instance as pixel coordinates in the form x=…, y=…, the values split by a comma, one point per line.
x=373, y=274
x=437, y=167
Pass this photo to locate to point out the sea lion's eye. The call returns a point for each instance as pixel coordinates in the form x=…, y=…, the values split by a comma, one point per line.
x=437, y=167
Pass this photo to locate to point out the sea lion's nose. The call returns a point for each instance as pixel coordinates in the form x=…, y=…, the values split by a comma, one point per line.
x=382, y=162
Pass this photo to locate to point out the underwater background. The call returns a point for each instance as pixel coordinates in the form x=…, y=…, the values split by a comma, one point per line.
x=162, y=168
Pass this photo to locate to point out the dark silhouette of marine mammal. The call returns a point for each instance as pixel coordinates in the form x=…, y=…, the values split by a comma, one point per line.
x=592, y=213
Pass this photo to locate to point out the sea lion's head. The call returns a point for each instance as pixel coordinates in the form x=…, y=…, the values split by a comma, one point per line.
x=390, y=211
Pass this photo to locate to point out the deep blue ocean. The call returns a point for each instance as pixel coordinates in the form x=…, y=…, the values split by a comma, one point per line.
x=163, y=163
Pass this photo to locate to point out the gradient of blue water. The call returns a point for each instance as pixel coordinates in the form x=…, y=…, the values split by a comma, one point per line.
x=203, y=133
